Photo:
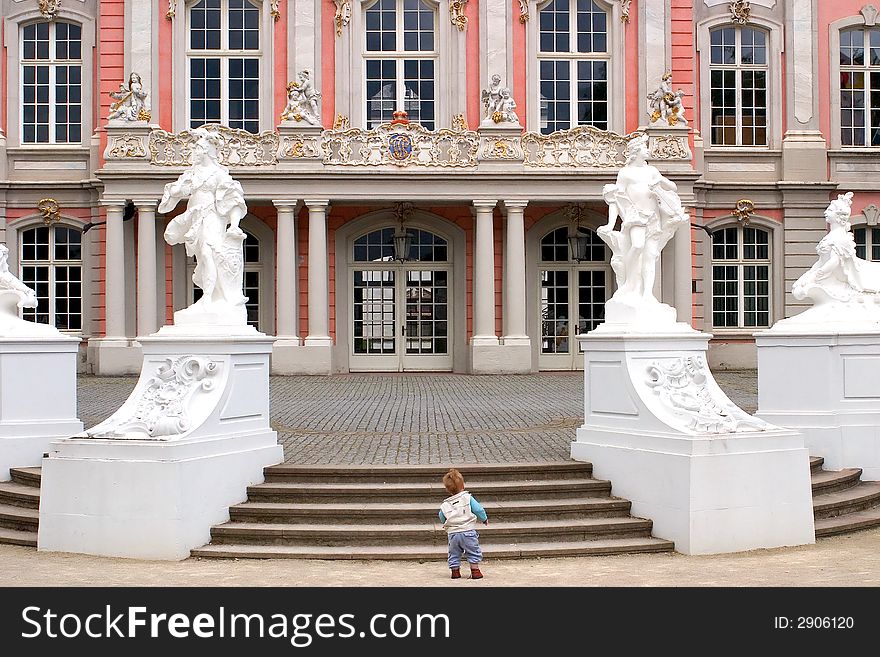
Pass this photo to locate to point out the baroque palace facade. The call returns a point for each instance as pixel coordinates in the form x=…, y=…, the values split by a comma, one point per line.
x=408, y=228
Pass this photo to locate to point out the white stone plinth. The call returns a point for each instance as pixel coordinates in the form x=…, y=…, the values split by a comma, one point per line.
x=827, y=386
x=37, y=397
x=711, y=477
x=151, y=480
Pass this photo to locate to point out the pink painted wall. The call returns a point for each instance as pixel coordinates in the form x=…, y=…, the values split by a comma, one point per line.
x=633, y=109
x=328, y=64
x=111, y=57
x=162, y=110
x=684, y=55
x=472, y=65
x=3, y=76
x=280, y=74
x=519, y=67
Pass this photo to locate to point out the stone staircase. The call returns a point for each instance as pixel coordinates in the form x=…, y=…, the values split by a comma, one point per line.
x=390, y=512
x=19, y=507
x=842, y=502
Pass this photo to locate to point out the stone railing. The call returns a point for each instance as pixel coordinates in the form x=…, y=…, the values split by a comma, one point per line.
x=581, y=147
x=240, y=147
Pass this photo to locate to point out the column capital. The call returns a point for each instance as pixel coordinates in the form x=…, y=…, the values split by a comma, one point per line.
x=514, y=205
x=113, y=203
x=292, y=203
x=485, y=204
x=317, y=203
x=146, y=204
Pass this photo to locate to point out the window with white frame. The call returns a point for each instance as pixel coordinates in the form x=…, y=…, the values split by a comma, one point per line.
x=867, y=242
x=51, y=83
x=740, y=277
x=738, y=80
x=573, y=61
x=223, y=63
x=50, y=263
x=860, y=87
x=400, y=61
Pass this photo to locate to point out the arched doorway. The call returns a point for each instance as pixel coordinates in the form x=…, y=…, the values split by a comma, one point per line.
x=400, y=310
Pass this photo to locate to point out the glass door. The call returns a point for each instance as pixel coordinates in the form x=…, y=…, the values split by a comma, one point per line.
x=426, y=322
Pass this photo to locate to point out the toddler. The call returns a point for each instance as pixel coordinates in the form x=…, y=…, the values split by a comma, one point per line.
x=459, y=514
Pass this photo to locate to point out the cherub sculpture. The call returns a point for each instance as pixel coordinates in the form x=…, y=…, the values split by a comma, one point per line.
x=131, y=101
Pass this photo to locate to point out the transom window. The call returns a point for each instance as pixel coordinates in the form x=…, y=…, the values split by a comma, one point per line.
x=400, y=61
x=740, y=277
x=738, y=80
x=573, y=65
x=51, y=264
x=378, y=246
x=860, y=87
x=223, y=51
x=867, y=243
x=51, y=83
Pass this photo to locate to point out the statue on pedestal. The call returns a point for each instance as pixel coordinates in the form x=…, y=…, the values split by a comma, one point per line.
x=131, y=101
x=210, y=230
x=650, y=211
x=499, y=103
x=666, y=104
x=302, y=101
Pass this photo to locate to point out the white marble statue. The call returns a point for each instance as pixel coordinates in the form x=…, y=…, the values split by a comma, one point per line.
x=498, y=103
x=210, y=230
x=131, y=101
x=491, y=97
x=14, y=297
x=843, y=287
x=650, y=211
x=302, y=100
x=666, y=104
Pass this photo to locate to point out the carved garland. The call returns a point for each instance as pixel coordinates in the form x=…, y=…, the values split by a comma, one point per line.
x=49, y=8
x=740, y=11
x=456, y=14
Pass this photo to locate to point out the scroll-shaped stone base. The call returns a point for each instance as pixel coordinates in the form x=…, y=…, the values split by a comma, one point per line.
x=710, y=476
x=151, y=480
x=824, y=384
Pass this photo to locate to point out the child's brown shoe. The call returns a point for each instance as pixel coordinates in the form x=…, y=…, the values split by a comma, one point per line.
x=456, y=573
x=475, y=573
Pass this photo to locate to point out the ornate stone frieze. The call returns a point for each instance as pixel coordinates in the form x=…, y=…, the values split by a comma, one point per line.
x=456, y=14
x=523, y=11
x=669, y=147
x=127, y=146
x=400, y=144
x=584, y=146
x=162, y=409
x=240, y=147
x=299, y=147
x=743, y=210
x=49, y=8
x=501, y=148
x=624, y=10
x=343, y=15
x=50, y=211
x=683, y=388
x=740, y=11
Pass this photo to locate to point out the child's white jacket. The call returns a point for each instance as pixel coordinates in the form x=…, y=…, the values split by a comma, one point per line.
x=459, y=516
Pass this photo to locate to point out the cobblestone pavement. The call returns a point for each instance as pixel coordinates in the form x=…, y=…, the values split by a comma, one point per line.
x=358, y=419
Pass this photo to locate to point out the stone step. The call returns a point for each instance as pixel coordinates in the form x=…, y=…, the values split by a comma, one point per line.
x=19, y=495
x=849, y=522
x=428, y=533
x=864, y=495
x=26, y=476
x=19, y=517
x=18, y=537
x=473, y=474
x=816, y=463
x=437, y=552
x=829, y=481
x=398, y=512
x=484, y=491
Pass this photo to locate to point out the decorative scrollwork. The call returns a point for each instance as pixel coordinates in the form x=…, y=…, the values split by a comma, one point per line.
x=274, y=11
x=50, y=210
x=501, y=148
x=298, y=147
x=240, y=147
x=172, y=9
x=624, y=10
x=743, y=210
x=459, y=123
x=343, y=15
x=400, y=144
x=49, y=8
x=126, y=146
x=584, y=146
x=740, y=11
x=523, y=11
x=341, y=122
x=669, y=147
x=456, y=14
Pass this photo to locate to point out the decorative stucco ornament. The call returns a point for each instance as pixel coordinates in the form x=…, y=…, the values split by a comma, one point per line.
x=172, y=9
x=498, y=102
x=871, y=214
x=459, y=123
x=131, y=101
x=274, y=11
x=583, y=146
x=239, y=147
x=341, y=122
x=209, y=228
x=456, y=14
x=343, y=15
x=743, y=211
x=49, y=8
x=665, y=104
x=624, y=10
x=740, y=11
x=50, y=210
x=523, y=11
x=650, y=211
x=302, y=101
x=869, y=13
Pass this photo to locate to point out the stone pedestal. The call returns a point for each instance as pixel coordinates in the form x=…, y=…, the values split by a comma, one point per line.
x=151, y=480
x=114, y=356
x=500, y=358
x=711, y=477
x=825, y=384
x=37, y=397
x=500, y=145
x=128, y=144
x=669, y=147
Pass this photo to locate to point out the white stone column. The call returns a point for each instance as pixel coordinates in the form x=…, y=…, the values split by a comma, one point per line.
x=114, y=273
x=683, y=291
x=286, y=287
x=147, y=291
x=515, y=275
x=484, y=275
x=319, y=301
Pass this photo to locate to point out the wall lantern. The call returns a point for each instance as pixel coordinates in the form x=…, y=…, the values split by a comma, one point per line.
x=579, y=242
x=402, y=237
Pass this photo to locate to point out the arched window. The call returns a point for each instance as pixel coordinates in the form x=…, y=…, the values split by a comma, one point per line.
x=573, y=61
x=400, y=61
x=50, y=263
x=867, y=242
x=860, y=87
x=253, y=264
x=51, y=83
x=223, y=68
x=741, y=277
x=738, y=75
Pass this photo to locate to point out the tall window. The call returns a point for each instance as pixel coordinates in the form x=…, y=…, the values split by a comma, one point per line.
x=573, y=65
x=738, y=81
x=400, y=61
x=51, y=83
x=51, y=264
x=860, y=87
x=740, y=277
x=223, y=51
x=867, y=243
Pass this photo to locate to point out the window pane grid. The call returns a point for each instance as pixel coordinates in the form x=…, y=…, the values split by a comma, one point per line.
x=867, y=243
x=554, y=311
x=374, y=323
x=741, y=286
x=427, y=297
x=51, y=264
x=860, y=87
